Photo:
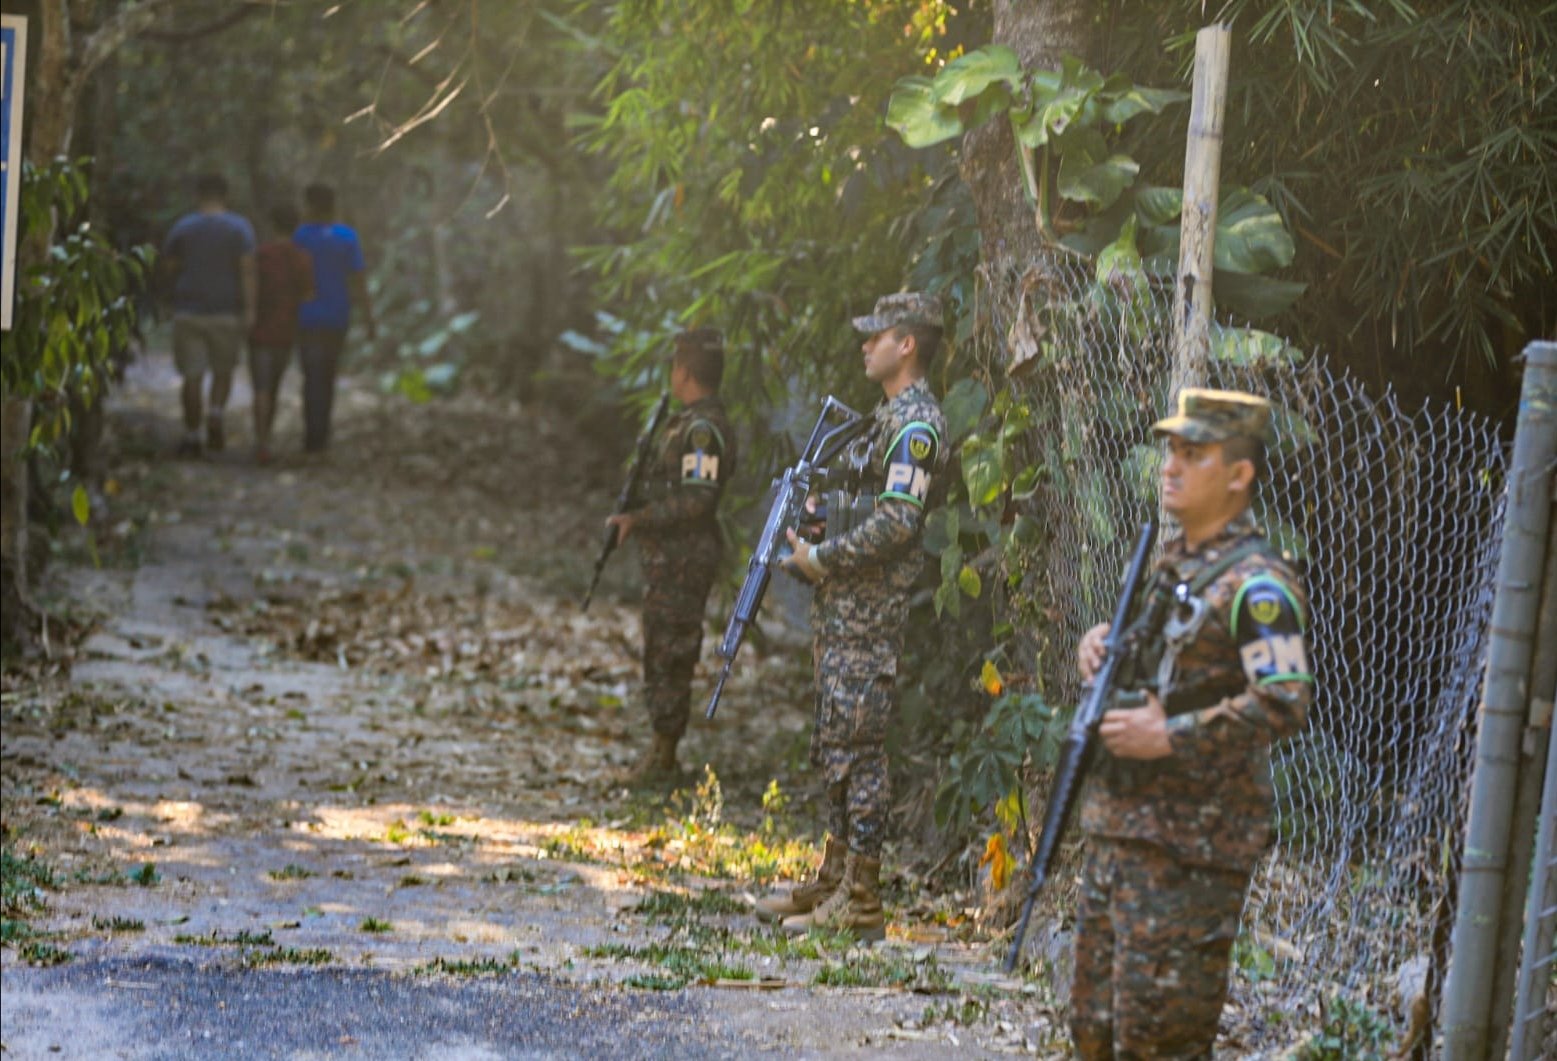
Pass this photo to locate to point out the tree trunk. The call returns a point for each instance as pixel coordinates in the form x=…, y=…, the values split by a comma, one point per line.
x=1041, y=34
x=15, y=607
x=58, y=69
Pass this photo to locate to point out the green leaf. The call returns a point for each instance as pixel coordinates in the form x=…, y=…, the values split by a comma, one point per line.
x=1254, y=297
x=981, y=471
x=969, y=582
x=1120, y=260
x=1097, y=183
x=963, y=407
x=80, y=505
x=916, y=116
x=968, y=76
x=1248, y=346
x=1158, y=206
x=1250, y=237
x=1025, y=485
x=1138, y=99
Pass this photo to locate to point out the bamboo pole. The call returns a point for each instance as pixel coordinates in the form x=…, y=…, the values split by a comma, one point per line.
x=1473, y=953
x=1197, y=223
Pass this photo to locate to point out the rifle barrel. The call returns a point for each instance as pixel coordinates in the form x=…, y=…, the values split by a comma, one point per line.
x=1080, y=741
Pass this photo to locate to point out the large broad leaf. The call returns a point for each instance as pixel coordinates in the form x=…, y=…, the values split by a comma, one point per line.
x=967, y=76
x=1158, y=206
x=916, y=116
x=1120, y=262
x=1254, y=297
x=963, y=406
x=1119, y=106
x=1099, y=183
x=1250, y=237
x=1249, y=346
x=981, y=471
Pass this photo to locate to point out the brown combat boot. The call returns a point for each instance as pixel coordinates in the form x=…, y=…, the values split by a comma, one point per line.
x=803, y=898
x=657, y=768
x=854, y=908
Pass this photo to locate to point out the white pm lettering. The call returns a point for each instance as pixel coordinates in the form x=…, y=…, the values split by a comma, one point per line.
x=907, y=479
x=1282, y=654
x=700, y=465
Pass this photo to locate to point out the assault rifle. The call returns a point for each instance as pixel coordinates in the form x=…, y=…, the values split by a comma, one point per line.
x=626, y=499
x=785, y=514
x=1081, y=741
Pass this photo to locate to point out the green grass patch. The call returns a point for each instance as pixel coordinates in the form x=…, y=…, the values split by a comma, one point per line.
x=287, y=956
x=147, y=876
x=815, y=945
x=118, y=924
x=683, y=962
x=241, y=938
x=468, y=968
x=965, y=1012
x=427, y=817
x=110, y=878
x=655, y=982
x=291, y=871
x=23, y=880
x=676, y=906
x=410, y=880
x=874, y=970
x=373, y=924
x=14, y=930
x=39, y=952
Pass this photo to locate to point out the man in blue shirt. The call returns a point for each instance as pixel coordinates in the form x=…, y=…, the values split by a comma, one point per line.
x=209, y=254
x=339, y=285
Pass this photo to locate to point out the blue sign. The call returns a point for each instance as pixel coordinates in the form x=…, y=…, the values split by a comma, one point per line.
x=13, y=65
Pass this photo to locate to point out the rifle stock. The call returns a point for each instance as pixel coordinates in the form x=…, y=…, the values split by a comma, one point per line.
x=625, y=499
x=1080, y=740
x=784, y=514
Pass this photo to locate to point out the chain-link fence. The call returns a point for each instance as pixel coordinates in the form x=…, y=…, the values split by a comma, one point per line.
x=1394, y=518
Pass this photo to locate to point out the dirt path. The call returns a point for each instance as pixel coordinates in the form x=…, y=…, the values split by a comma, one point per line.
x=326, y=778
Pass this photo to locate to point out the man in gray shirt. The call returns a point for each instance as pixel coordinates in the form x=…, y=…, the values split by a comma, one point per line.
x=209, y=254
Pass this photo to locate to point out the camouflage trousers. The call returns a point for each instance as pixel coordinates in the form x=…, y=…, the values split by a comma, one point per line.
x=675, y=594
x=855, y=702
x=1153, y=940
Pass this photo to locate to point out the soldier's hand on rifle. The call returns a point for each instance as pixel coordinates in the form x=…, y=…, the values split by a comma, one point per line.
x=623, y=522
x=1137, y=732
x=1091, y=651
x=815, y=525
x=802, y=561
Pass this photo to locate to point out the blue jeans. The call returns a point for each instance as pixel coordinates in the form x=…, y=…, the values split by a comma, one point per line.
x=319, y=350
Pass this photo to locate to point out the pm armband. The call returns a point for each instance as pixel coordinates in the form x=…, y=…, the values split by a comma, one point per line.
x=700, y=454
x=910, y=463
x=1268, y=629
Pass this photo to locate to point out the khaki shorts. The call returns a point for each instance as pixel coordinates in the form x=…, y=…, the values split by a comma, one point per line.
x=206, y=342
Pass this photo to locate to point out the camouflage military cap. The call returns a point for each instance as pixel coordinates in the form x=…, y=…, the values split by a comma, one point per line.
x=700, y=339
x=905, y=307
x=1215, y=416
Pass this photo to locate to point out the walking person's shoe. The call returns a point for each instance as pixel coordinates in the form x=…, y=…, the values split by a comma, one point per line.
x=803, y=898
x=215, y=434
x=855, y=908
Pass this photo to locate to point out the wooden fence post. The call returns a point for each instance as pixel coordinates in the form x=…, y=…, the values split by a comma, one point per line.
x=1197, y=224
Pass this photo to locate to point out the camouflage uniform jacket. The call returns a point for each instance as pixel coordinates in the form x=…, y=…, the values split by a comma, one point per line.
x=683, y=485
x=861, y=605
x=1240, y=683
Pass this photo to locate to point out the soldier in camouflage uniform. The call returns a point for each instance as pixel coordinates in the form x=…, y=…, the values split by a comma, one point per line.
x=680, y=543
x=1178, y=811
x=864, y=571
